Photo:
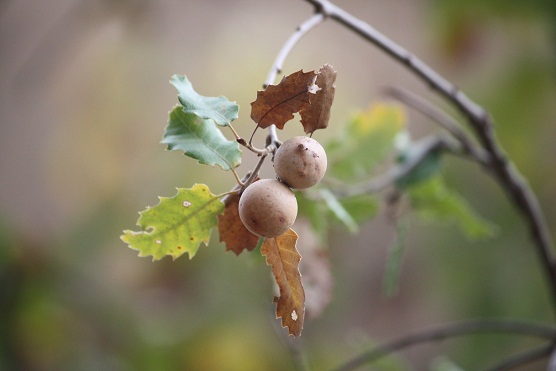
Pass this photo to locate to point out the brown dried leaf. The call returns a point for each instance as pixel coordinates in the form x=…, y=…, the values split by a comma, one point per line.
x=283, y=258
x=231, y=229
x=317, y=114
x=277, y=103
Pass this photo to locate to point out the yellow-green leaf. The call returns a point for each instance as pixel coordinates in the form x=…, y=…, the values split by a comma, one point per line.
x=366, y=142
x=433, y=201
x=176, y=225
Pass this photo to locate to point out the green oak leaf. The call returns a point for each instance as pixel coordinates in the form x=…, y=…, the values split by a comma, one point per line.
x=361, y=207
x=201, y=140
x=176, y=225
x=338, y=210
x=219, y=109
x=316, y=212
x=348, y=211
x=433, y=201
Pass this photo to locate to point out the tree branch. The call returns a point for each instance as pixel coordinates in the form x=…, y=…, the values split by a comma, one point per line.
x=301, y=31
x=450, y=331
x=422, y=149
x=508, y=177
x=523, y=358
x=443, y=119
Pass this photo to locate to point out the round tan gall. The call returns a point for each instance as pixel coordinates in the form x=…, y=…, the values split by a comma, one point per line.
x=267, y=208
x=300, y=162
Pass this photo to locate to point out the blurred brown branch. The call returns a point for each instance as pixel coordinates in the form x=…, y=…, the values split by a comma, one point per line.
x=459, y=329
x=499, y=166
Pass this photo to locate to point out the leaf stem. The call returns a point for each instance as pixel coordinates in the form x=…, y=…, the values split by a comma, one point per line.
x=239, y=182
x=234, y=132
x=230, y=192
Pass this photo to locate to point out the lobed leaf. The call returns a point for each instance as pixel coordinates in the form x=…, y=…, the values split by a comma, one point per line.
x=232, y=231
x=317, y=114
x=201, y=140
x=176, y=225
x=277, y=103
x=434, y=201
x=218, y=109
x=282, y=256
x=349, y=211
x=361, y=207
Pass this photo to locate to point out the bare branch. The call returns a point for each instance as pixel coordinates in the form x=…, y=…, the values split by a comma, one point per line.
x=303, y=29
x=420, y=68
x=524, y=358
x=506, y=174
x=450, y=331
x=422, y=150
x=255, y=173
x=441, y=118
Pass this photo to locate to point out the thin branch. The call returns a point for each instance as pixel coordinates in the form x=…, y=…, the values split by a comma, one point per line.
x=441, y=118
x=552, y=361
x=276, y=69
x=272, y=138
x=450, y=331
x=236, y=188
x=301, y=31
x=420, y=68
x=509, y=178
x=421, y=151
x=251, y=147
x=255, y=173
x=524, y=358
x=278, y=64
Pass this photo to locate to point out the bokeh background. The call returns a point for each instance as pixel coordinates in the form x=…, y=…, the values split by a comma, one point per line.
x=84, y=97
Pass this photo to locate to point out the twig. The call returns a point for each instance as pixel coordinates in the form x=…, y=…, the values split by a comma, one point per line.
x=523, y=358
x=302, y=30
x=441, y=118
x=421, y=151
x=420, y=68
x=236, y=188
x=500, y=167
x=255, y=173
x=450, y=331
x=272, y=139
x=278, y=64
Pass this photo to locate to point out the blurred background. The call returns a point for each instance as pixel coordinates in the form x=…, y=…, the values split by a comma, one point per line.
x=84, y=98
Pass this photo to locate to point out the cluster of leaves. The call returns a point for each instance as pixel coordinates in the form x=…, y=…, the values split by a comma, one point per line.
x=183, y=222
